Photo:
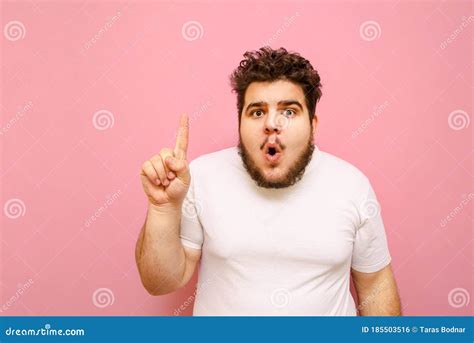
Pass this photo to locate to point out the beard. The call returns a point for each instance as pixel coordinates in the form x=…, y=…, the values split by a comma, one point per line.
x=294, y=174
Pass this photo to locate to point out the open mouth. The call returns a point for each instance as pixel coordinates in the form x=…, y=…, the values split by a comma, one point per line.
x=272, y=152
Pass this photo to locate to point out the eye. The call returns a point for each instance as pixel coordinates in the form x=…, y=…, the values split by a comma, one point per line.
x=257, y=113
x=288, y=112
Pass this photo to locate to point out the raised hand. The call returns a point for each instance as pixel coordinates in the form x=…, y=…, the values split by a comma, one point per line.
x=165, y=176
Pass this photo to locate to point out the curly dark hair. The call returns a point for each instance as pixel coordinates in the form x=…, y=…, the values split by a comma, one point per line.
x=267, y=64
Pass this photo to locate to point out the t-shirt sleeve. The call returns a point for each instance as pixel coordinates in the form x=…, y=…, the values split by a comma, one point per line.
x=191, y=229
x=370, y=252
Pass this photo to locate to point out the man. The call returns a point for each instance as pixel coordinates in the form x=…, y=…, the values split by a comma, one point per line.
x=278, y=225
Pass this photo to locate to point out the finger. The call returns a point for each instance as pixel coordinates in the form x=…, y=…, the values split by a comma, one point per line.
x=149, y=172
x=165, y=153
x=180, y=168
x=153, y=193
x=157, y=163
x=181, y=147
x=147, y=184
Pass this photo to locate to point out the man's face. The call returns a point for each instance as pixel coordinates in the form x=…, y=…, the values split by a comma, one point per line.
x=276, y=135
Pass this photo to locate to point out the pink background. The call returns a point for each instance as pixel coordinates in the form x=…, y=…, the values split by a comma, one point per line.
x=397, y=103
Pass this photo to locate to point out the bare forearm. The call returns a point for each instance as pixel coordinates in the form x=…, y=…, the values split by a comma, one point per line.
x=387, y=304
x=377, y=293
x=381, y=299
x=159, y=254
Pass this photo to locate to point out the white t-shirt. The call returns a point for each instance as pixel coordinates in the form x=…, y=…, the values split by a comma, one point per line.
x=281, y=252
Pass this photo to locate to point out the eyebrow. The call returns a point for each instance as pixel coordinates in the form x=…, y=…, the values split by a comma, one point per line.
x=282, y=102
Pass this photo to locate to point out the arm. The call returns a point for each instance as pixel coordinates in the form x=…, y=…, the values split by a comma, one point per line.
x=377, y=293
x=163, y=263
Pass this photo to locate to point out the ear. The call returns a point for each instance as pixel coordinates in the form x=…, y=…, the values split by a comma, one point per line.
x=315, y=122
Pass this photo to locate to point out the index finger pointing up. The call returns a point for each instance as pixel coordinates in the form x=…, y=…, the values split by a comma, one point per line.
x=182, y=138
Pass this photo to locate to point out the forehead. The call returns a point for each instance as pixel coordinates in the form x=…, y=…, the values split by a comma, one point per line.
x=273, y=91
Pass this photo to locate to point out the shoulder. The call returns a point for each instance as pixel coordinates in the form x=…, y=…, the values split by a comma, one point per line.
x=340, y=166
x=341, y=172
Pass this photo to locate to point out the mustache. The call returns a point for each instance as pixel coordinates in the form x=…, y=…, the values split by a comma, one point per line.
x=277, y=141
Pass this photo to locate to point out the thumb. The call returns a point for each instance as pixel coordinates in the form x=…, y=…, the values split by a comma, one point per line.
x=179, y=167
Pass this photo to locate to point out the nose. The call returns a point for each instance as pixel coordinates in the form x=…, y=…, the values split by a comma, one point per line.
x=272, y=124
